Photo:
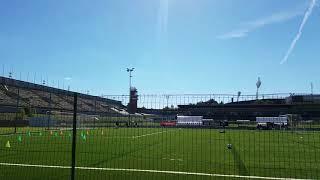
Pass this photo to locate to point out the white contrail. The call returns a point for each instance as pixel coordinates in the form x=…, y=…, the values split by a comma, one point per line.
x=161, y=37
x=295, y=40
x=163, y=15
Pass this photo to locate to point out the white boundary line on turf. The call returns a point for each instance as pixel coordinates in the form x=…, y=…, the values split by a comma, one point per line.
x=149, y=134
x=149, y=171
x=120, y=137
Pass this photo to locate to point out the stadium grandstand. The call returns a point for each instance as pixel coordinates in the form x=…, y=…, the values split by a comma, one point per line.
x=16, y=93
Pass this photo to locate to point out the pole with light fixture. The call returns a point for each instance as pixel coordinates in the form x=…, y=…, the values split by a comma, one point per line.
x=258, y=84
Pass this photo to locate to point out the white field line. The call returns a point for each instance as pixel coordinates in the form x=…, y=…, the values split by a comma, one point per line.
x=172, y=159
x=88, y=136
x=118, y=137
x=148, y=171
x=150, y=134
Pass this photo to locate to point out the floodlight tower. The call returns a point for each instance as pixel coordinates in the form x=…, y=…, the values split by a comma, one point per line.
x=130, y=70
x=258, y=84
x=239, y=94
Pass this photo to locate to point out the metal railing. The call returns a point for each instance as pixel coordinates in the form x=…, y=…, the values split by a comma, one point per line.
x=64, y=135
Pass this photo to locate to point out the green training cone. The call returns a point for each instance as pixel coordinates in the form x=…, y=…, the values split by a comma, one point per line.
x=84, y=137
x=55, y=134
x=29, y=133
x=8, y=145
x=40, y=133
x=69, y=134
x=19, y=138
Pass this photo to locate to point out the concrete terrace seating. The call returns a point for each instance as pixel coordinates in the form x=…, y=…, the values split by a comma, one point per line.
x=42, y=97
x=31, y=99
x=11, y=95
x=4, y=99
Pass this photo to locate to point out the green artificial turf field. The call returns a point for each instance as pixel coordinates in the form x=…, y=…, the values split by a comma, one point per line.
x=160, y=153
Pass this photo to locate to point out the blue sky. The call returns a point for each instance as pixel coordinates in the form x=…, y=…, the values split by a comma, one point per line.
x=176, y=46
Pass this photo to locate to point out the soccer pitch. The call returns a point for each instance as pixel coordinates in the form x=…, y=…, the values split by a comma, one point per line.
x=161, y=153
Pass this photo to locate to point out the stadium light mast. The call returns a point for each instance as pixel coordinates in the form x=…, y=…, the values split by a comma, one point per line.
x=258, y=84
x=239, y=94
x=130, y=70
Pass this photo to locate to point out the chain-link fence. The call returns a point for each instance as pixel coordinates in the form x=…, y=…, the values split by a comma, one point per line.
x=48, y=133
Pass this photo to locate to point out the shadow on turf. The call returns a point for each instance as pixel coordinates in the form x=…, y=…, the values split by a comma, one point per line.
x=237, y=159
x=306, y=144
x=121, y=155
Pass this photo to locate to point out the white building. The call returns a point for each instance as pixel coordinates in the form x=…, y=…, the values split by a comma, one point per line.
x=189, y=120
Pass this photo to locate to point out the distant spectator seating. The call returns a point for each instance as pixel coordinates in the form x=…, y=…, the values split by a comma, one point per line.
x=14, y=92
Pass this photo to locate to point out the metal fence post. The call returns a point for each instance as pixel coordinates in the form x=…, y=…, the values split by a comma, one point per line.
x=74, y=137
x=95, y=112
x=49, y=111
x=15, y=121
